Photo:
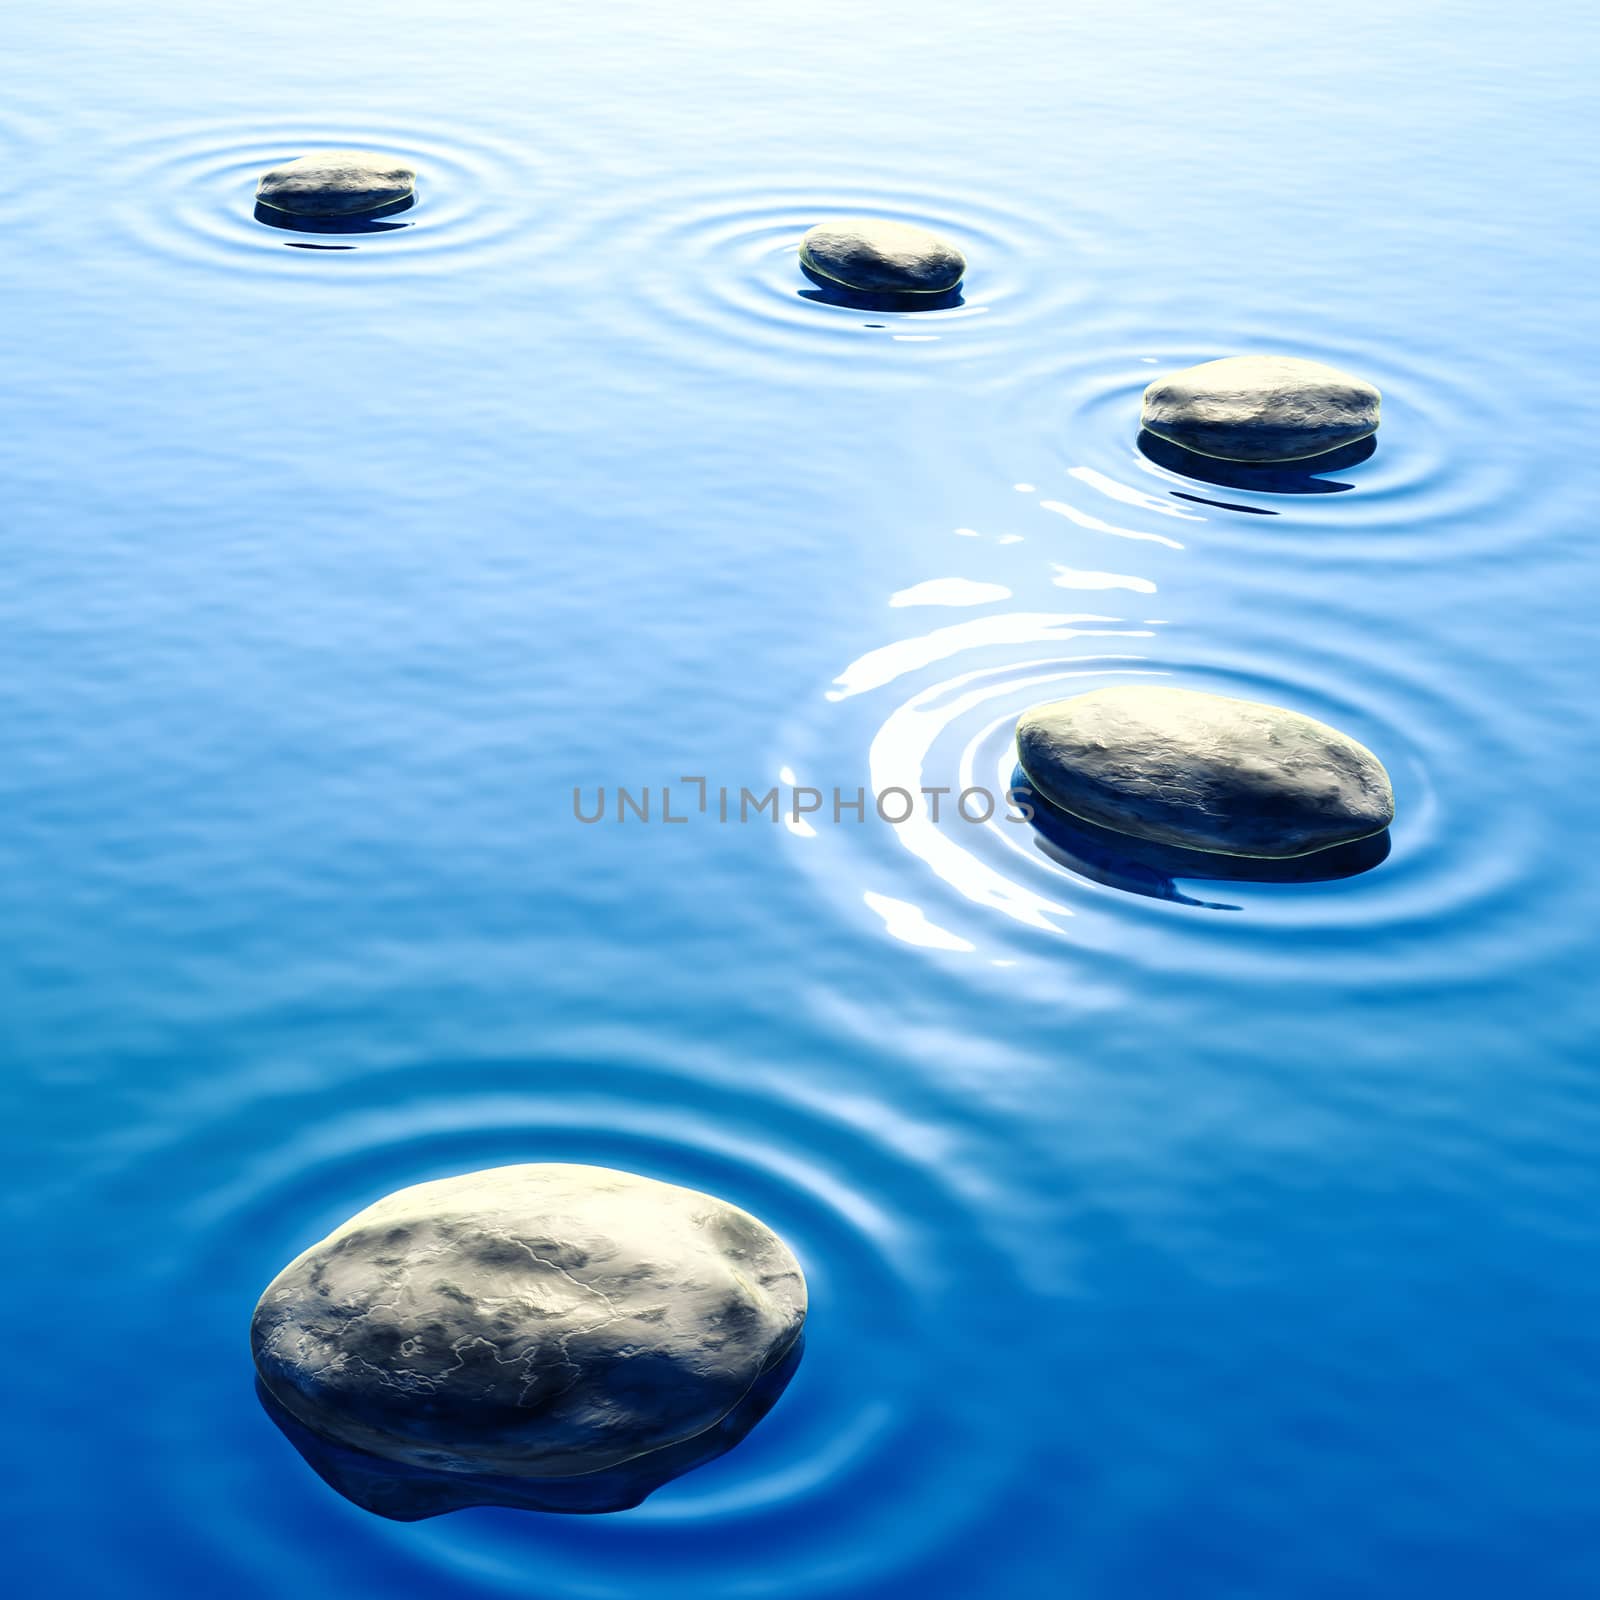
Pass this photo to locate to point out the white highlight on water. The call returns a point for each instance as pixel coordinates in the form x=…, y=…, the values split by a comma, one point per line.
x=910, y=924
x=1077, y=578
x=950, y=592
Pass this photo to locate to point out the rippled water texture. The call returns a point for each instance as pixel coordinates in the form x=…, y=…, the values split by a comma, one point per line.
x=1167, y=1234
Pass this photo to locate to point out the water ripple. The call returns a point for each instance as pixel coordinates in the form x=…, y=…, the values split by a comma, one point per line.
x=939, y=709
x=189, y=194
x=723, y=282
x=1438, y=485
x=870, y=1463
x=24, y=140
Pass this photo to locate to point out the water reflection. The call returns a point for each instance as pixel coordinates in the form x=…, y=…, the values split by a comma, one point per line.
x=1139, y=866
x=368, y=222
x=837, y=294
x=407, y=1493
x=1273, y=477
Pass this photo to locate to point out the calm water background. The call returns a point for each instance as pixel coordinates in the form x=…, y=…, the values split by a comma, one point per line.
x=1236, y=1244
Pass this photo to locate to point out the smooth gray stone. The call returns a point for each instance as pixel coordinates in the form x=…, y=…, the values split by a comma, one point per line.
x=473, y=1339
x=1261, y=408
x=1204, y=772
x=336, y=183
x=877, y=256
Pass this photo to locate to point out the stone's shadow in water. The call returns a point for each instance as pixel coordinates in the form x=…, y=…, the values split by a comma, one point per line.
x=366, y=222
x=406, y=1493
x=1139, y=866
x=1261, y=477
x=829, y=293
x=1177, y=494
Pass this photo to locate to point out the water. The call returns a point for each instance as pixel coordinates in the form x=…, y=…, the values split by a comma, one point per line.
x=1235, y=1243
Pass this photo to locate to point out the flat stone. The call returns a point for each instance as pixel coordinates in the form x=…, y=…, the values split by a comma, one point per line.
x=336, y=183
x=1204, y=772
x=1261, y=408
x=490, y=1339
x=877, y=256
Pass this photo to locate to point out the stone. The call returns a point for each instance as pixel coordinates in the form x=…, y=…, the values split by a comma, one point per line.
x=546, y=1336
x=874, y=255
x=337, y=183
x=1261, y=408
x=1204, y=772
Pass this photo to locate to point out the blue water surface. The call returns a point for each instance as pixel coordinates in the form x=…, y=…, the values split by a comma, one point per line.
x=1166, y=1237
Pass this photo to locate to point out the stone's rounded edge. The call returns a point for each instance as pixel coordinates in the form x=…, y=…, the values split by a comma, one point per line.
x=1261, y=409
x=874, y=273
x=353, y=213
x=1266, y=457
x=1039, y=728
x=329, y=184
x=782, y=1300
x=1153, y=871
x=1177, y=841
x=405, y=1493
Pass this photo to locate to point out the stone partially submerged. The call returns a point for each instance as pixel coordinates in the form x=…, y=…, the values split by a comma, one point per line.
x=1204, y=772
x=875, y=255
x=549, y=1337
x=1261, y=408
x=337, y=183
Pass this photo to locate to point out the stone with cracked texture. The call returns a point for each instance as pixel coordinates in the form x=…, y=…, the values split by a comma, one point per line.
x=337, y=183
x=875, y=255
x=1261, y=408
x=1204, y=772
x=547, y=1336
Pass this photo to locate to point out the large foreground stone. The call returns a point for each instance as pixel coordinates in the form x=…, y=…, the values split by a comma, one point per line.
x=336, y=183
x=877, y=256
x=1261, y=408
x=558, y=1337
x=1204, y=772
